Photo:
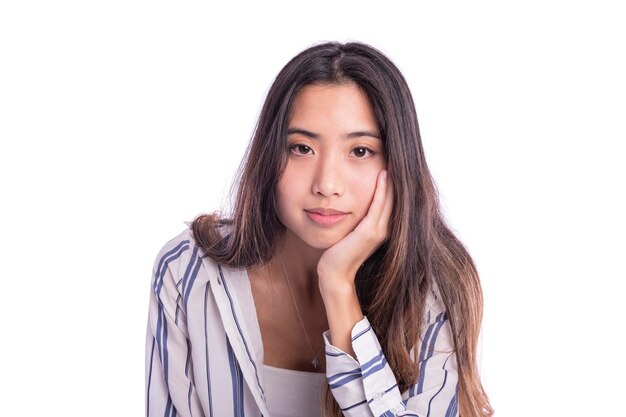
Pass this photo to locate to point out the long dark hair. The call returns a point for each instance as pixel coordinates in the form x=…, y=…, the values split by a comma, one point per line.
x=421, y=251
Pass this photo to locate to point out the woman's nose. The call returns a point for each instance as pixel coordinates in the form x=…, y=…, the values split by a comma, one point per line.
x=329, y=177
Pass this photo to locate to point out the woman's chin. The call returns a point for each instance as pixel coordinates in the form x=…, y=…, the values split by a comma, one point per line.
x=317, y=240
x=321, y=244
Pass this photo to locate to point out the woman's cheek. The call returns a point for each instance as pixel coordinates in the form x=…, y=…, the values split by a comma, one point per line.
x=365, y=186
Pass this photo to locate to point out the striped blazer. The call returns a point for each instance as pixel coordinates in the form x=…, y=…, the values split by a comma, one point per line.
x=204, y=351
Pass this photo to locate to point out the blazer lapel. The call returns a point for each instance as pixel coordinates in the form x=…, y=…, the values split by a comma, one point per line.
x=231, y=289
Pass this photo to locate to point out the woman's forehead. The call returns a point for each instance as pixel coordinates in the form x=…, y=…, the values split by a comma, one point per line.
x=338, y=107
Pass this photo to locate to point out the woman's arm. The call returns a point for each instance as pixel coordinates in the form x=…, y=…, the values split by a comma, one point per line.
x=364, y=384
x=170, y=388
x=359, y=376
x=339, y=264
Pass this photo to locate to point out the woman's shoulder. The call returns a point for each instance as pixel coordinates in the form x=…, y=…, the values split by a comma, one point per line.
x=434, y=309
x=178, y=264
x=175, y=248
x=179, y=251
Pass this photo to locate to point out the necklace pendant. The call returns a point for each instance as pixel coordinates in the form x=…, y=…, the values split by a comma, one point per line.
x=315, y=362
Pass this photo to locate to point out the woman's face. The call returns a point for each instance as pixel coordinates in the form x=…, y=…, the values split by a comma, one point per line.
x=335, y=155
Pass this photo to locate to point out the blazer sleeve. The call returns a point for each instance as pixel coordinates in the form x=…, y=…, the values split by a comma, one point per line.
x=170, y=389
x=366, y=385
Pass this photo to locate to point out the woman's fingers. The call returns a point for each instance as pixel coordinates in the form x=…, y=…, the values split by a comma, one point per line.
x=376, y=221
x=349, y=253
x=378, y=201
x=388, y=208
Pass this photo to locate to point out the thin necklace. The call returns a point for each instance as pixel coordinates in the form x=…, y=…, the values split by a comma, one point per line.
x=315, y=361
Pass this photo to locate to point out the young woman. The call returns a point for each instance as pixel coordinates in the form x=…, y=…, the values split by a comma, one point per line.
x=336, y=287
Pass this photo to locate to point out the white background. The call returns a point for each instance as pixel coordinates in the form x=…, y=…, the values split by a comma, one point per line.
x=121, y=119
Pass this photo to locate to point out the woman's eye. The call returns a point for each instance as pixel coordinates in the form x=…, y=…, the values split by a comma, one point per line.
x=362, y=152
x=300, y=149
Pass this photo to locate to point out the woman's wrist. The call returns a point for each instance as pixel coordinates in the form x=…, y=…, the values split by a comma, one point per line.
x=343, y=312
x=336, y=287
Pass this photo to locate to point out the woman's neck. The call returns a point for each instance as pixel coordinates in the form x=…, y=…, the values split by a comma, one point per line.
x=300, y=263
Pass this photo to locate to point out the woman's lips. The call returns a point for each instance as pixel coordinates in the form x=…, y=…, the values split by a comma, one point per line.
x=325, y=217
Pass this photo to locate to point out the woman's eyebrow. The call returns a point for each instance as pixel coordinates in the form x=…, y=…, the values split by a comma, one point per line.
x=312, y=135
x=303, y=132
x=363, y=133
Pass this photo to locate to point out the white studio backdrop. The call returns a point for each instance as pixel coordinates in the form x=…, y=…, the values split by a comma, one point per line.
x=120, y=120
